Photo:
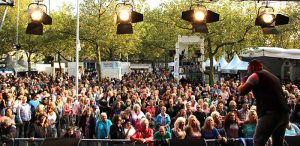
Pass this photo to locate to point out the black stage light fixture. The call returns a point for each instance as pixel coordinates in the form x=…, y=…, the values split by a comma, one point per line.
x=199, y=17
x=7, y=3
x=267, y=19
x=125, y=16
x=37, y=18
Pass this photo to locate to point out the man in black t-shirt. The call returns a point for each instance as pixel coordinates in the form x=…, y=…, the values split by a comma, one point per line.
x=272, y=108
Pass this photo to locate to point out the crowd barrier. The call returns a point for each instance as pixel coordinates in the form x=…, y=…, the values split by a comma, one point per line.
x=289, y=141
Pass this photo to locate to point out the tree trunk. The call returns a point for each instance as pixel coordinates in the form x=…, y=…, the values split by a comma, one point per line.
x=212, y=69
x=59, y=63
x=98, y=64
x=28, y=63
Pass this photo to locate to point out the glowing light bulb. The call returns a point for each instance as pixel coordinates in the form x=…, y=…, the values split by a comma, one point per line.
x=199, y=15
x=268, y=18
x=36, y=15
x=124, y=15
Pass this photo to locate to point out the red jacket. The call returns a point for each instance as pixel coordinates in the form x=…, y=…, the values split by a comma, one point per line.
x=147, y=135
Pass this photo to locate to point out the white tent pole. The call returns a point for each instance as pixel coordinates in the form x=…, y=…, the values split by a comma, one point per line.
x=77, y=50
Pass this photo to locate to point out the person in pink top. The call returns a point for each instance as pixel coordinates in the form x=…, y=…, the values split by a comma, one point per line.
x=67, y=112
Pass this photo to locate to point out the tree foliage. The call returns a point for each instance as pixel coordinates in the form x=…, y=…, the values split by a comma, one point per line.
x=152, y=38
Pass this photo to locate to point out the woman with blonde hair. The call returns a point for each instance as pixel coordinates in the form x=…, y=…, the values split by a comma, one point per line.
x=38, y=111
x=209, y=131
x=178, y=132
x=193, y=129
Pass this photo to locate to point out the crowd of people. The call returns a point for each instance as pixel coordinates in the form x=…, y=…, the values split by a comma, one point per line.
x=141, y=107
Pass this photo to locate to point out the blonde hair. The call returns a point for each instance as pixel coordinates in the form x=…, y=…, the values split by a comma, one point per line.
x=179, y=120
x=196, y=121
x=215, y=113
x=135, y=106
x=205, y=126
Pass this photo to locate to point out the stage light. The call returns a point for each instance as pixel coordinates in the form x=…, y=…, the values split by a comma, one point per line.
x=267, y=19
x=125, y=16
x=199, y=17
x=37, y=17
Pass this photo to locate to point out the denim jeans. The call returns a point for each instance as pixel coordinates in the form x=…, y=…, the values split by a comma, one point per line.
x=271, y=124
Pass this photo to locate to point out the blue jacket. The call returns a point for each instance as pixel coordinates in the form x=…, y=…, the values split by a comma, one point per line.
x=102, y=129
x=158, y=121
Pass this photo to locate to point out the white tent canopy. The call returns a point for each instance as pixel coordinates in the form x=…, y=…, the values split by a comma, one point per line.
x=242, y=66
x=222, y=62
x=272, y=52
x=207, y=62
x=235, y=65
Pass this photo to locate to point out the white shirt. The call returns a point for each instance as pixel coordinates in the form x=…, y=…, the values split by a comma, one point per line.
x=52, y=119
x=131, y=132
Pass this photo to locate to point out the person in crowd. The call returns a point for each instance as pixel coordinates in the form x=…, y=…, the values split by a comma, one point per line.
x=272, y=108
x=143, y=135
x=128, y=129
x=12, y=116
x=209, y=131
x=151, y=108
x=69, y=133
x=158, y=108
x=136, y=116
x=295, y=115
x=171, y=110
x=200, y=115
x=34, y=102
x=59, y=110
x=181, y=113
x=103, y=127
x=218, y=120
x=151, y=120
x=178, y=106
x=292, y=130
x=178, y=132
x=117, y=130
x=161, y=136
x=2, y=105
x=205, y=108
x=231, y=125
x=24, y=116
x=53, y=119
x=193, y=129
x=232, y=107
x=39, y=110
x=243, y=112
x=248, y=128
x=221, y=108
x=67, y=113
x=7, y=130
x=40, y=128
x=87, y=124
x=163, y=119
